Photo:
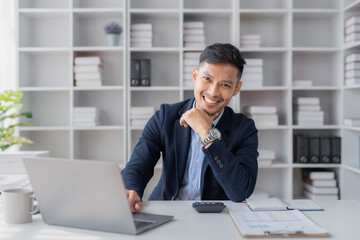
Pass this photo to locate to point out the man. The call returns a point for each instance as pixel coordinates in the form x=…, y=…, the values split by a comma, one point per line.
x=208, y=151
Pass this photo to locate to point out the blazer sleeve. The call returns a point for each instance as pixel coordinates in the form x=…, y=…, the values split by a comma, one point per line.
x=146, y=154
x=236, y=170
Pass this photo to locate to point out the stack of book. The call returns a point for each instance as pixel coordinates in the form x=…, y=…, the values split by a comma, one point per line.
x=141, y=35
x=194, y=34
x=250, y=40
x=308, y=111
x=302, y=83
x=191, y=60
x=88, y=71
x=320, y=184
x=352, y=122
x=264, y=116
x=266, y=157
x=86, y=116
x=352, y=29
x=352, y=69
x=253, y=73
x=139, y=116
x=140, y=72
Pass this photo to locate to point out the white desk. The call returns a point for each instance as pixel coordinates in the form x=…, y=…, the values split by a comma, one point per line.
x=340, y=218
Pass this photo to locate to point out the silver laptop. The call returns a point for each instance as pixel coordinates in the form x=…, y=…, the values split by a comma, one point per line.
x=86, y=194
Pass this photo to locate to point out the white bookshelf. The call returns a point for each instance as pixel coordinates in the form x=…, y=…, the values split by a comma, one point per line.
x=301, y=39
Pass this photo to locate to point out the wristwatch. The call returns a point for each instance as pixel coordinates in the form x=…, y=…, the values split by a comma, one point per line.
x=213, y=135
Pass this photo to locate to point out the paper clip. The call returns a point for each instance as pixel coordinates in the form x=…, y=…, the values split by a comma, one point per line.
x=283, y=233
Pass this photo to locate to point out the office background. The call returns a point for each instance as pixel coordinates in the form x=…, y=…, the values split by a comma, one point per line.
x=300, y=40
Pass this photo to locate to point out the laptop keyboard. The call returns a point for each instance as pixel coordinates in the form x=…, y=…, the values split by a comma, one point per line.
x=141, y=223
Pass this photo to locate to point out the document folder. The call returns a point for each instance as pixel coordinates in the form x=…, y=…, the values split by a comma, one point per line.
x=276, y=224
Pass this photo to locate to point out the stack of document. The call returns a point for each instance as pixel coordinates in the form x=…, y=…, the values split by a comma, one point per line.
x=352, y=29
x=277, y=204
x=253, y=73
x=191, y=61
x=88, y=71
x=194, y=34
x=320, y=184
x=86, y=116
x=308, y=111
x=352, y=69
x=265, y=157
x=139, y=116
x=264, y=116
x=141, y=35
x=250, y=40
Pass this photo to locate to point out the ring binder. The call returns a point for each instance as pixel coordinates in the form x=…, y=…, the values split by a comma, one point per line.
x=284, y=233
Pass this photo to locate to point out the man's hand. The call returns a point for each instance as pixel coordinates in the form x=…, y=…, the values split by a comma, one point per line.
x=134, y=201
x=198, y=120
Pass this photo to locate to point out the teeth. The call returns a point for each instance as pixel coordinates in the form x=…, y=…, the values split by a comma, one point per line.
x=209, y=101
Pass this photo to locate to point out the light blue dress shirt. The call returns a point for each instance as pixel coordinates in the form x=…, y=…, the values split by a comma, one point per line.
x=190, y=187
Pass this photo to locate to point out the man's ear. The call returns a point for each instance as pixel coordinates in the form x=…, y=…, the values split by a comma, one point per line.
x=237, y=88
x=195, y=74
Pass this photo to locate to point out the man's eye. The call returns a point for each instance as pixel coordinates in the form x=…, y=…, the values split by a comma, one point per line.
x=226, y=85
x=206, y=78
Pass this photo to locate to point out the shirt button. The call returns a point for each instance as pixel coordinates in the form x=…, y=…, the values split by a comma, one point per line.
x=193, y=182
x=197, y=161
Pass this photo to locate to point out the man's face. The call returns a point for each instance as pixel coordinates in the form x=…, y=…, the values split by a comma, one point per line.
x=215, y=84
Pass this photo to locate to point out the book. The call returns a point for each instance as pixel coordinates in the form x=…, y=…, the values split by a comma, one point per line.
x=354, y=28
x=141, y=26
x=135, y=72
x=89, y=76
x=254, y=62
x=141, y=44
x=260, y=109
x=302, y=118
x=194, y=44
x=88, y=83
x=307, y=108
x=321, y=190
x=194, y=25
x=250, y=37
x=352, y=81
x=266, y=154
x=320, y=183
x=352, y=121
x=320, y=196
x=142, y=110
x=353, y=57
x=91, y=60
x=194, y=31
x=139, y=40
x=352, y=74
x=352, y=20
x=309, y=113
x=325, y=149
x=195, y=38
x=264, y=162
x=277, y=204
x=307, y=100
x=87, y=68
x=264, y=117
x=86, y=110
x=141, y=34
x=318, y=174
x=145, y=72
x=301, y=149
x=352, y=37
x=352, y=66
x=302, y=83
x=335, y=156
x=252, y=76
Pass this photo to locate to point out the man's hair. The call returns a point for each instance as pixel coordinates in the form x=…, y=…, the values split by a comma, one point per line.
x=223, y=53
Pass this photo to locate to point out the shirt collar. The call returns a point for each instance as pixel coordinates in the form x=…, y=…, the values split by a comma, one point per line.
x=216, y=119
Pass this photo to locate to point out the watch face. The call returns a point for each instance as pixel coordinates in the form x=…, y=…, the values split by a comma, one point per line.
x=215, y=133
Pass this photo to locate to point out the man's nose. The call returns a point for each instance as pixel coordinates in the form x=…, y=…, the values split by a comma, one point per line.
x=214, y=89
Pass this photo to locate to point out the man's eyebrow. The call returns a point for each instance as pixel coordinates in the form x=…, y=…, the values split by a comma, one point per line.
x=208, y=74
x=227, y=81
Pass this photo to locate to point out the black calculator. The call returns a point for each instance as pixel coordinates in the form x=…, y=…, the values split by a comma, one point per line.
x=208, y=206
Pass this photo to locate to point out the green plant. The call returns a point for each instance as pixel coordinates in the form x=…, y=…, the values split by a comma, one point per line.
x=10, y=111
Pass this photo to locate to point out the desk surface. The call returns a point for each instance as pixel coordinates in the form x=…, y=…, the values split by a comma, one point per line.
x=340, y=218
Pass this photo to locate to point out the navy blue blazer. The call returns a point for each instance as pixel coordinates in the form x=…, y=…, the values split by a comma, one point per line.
x=229, y=169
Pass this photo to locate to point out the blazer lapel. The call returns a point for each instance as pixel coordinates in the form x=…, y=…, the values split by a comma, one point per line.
x=182, y=138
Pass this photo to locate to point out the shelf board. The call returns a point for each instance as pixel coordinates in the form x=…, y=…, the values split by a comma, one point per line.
x=99, y=48
x=44, y=89
x=192, y=49
x=136, y=128
x=334, y=127
x=264, y=11
x=155, y=49
x=348, y=46
x=316, y=165
x=354, y=5
x=101, y=88
x=98, y=10
x=352, y=128
x=44, y=12
x=207, y=11
x=44, y=128
x=265, y=49
x=266, y=88
x=356, y=86
x=316, y=11
x=115, y=127
x=316, y=49
x=317, y=88
x=275, y=165
x=43, y=49
x=153, y=10
x=155, y=88
x=352, y=169
x=279, y=127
